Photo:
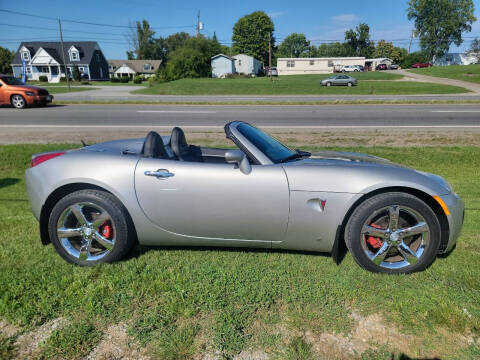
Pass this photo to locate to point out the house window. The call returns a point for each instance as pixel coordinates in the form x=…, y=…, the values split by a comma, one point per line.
x=290, y=63
x=312, y=62
x=28, y=70
x=239, y=62
x=147, y=67
x=74, y=56
x=81, y=69
x=43, y=69
x=330, y=63
x=26, y=55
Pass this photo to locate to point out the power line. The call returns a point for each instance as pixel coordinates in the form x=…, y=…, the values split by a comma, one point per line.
x=92, y=23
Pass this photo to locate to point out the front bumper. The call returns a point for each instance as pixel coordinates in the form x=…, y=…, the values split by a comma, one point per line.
x=39, y=99
x=455, y=219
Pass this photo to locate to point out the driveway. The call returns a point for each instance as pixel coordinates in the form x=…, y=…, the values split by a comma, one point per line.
x=475, y=88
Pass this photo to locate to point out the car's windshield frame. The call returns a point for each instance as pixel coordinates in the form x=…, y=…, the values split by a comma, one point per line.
x=273, y=149
x=7, y=80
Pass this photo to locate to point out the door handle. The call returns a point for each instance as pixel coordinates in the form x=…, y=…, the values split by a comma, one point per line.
x=160, y=173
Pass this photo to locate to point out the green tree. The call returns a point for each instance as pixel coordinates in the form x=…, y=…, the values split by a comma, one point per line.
x=358, y=43
x=413, y=58
x=336, y=49
x=475, y=46
x=294, y=45
x=186, y=62
x=386, y=49
x=6, y=58
x=439, y=23
x=76, y=73
x=251, y=34
x=142, y=40
x=130, y=55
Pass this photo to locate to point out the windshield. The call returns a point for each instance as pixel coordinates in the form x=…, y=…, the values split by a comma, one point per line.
x=10, y=80
x=273, y=149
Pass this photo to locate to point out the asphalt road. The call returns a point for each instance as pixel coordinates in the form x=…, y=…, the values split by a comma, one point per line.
x=139, y=116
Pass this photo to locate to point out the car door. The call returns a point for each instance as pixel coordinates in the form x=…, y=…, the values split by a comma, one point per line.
x=214, y=200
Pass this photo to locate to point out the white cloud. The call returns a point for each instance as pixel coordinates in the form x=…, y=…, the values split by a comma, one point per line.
x=344, y=19
x=275, y=14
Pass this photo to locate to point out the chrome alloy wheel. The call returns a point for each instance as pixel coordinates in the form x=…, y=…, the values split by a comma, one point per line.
x=18, y=101
x=395, y=237
x=86, y=231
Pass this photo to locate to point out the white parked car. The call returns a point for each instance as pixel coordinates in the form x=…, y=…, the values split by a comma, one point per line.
x=350, y=68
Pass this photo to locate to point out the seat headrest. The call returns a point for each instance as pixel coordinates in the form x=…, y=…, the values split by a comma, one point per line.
x=178, y=142
x=154, y=147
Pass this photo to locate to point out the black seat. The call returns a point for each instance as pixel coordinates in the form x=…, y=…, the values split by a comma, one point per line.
x=181, y=149
x=153, y=146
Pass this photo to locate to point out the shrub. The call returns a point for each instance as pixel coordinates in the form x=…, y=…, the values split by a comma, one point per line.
x=138, y=79
x=124, y=79
x=187, y=63
x=114, y=79
x=76, y=73
x=43, y=78
x=85, y=82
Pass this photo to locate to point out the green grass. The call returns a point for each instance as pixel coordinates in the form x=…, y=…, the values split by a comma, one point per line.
x=297, y=85
x=62, y=90
x=175, y=300
x=470, y=73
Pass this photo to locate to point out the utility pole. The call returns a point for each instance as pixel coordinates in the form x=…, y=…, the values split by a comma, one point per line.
x=63, y=53
x=198, y=23
x=411, y=39
x=270, y=55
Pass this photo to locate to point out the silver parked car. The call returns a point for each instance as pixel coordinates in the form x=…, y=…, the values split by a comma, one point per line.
x=339, y=80
x=95, y=203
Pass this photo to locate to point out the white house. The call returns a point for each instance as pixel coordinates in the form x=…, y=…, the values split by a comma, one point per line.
x=456, y=59
x=130, y=68
x=44, y=58
x=371, y=64
x=248, y=65
x=297, y=66
x=222, y=65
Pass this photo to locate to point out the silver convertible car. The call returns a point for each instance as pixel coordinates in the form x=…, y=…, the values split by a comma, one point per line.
x=95, y=203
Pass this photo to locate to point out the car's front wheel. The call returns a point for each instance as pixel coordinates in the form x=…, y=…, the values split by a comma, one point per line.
x=88, y=227
x=18, y=101
x=393, y=233
x=349, y=84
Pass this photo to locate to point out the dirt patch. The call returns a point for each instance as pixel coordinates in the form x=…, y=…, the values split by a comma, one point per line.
x=116, y=344
x=8, y=329
x=27, y=344
x=294, y=138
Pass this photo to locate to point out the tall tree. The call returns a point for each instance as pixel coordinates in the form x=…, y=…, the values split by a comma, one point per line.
x=439, y=23
x=335, y=49
x=294, y=45
x=6, y=58
x=475, y=46
x=142, y=40
x=358, y=41
x=251, y=34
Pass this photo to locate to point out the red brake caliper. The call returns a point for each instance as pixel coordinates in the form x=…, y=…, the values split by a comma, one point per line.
x=375, y=242
x=106, y=230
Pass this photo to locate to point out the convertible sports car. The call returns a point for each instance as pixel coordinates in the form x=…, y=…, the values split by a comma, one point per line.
x=95, y=203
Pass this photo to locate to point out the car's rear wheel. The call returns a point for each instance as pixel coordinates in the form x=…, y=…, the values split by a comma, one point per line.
x=18, y=101
x=88, y=227
x=393, y=233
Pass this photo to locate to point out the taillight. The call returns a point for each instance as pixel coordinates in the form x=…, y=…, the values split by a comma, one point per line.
x=44, y=157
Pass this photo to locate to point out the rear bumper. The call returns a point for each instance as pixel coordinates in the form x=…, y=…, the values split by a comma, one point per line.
x=455, y=219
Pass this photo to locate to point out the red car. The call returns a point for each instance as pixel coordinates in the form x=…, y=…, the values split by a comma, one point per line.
x=382, y=67
x=421, y=65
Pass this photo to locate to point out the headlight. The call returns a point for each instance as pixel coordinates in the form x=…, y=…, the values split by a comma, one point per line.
x=29, y=93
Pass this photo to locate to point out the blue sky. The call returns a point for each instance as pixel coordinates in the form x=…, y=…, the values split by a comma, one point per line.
x=318, y=20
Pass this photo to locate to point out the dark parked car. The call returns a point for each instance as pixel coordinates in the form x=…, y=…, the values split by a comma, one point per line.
x=421, y=65
x=339, y=80
x=394, y=67
x=382, y=67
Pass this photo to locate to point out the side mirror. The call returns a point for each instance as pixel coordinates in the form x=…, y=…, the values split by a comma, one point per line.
x=240, y=159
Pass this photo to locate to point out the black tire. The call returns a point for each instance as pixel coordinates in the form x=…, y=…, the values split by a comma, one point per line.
x=349, y=84
x=360, y=216
x=18, y=101
x=125, y=236
x=329, y=84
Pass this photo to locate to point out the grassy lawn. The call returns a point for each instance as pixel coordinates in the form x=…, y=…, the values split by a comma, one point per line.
x=184, y=303
x=470, y=73
x=297, y=85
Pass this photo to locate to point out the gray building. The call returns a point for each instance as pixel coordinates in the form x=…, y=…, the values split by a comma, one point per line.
x=222, y=65
x=455, y=59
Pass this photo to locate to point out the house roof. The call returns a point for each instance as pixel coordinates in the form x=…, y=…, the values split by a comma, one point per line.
x=221, y=55
x=137, y=65
x=54, y=48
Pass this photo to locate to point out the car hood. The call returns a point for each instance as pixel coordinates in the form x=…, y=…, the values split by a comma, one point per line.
x=25, y=87
x=349, y=172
